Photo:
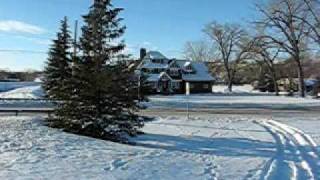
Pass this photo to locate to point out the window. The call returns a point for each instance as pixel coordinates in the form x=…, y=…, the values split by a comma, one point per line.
x=153, y=85
x=174, y=72
x=155, y=71
x=205, y=86
x=176, y=85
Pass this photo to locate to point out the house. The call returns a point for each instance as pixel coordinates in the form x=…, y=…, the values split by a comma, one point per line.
x=287, y=84
x=169, y=76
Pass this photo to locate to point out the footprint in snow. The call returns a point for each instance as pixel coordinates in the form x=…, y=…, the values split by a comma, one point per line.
x=117, y=164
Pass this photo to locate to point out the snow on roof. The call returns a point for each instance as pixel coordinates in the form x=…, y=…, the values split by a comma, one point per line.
x=156, y=77
x=153, y=77
x=151, y=65
x=200, y=68
x=202, y=72
x=155, y=55
x=188, y=63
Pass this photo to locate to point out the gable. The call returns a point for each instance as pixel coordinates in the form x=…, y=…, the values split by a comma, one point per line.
x=164, y=77
x=174, y=64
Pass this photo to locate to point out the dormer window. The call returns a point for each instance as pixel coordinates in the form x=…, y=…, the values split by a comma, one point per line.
x=188, y=67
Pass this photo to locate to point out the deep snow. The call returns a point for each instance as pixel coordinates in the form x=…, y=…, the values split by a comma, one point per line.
x=204, y=147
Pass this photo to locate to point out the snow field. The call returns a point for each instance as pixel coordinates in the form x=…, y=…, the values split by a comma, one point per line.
x=173, y=148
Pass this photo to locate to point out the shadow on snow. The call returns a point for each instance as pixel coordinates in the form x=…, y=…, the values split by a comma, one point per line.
x=208, y=146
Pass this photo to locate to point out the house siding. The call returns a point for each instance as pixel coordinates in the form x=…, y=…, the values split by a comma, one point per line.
x=169, y=76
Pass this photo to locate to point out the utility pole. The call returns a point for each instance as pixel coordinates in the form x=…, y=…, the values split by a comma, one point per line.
x=74, y=55
x=187, y=98
x=75, y=39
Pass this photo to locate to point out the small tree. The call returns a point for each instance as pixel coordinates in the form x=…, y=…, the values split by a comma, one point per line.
x=233, y=44
x=263, y=52
x=58, y=68
x=58, y=74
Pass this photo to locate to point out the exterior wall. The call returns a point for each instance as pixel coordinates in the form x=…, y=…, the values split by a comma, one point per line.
x=195, y=87
x=198, y=87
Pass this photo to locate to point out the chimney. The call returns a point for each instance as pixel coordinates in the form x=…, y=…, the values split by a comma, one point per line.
x=143, y=53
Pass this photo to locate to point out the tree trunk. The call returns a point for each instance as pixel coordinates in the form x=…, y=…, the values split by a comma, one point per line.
x=274, y=79
x=302, y=87
x=230, y=78
x=230, y=85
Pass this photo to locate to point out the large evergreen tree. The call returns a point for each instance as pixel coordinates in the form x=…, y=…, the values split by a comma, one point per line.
x=104, y=96
x=58, y=74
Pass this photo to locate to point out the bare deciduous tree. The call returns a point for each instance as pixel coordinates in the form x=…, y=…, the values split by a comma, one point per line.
x=233, y=45
x=267, y=54
x=199, y=51
x=285, y=30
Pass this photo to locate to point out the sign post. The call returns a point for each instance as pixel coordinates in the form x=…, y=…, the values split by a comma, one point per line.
x=187, y=98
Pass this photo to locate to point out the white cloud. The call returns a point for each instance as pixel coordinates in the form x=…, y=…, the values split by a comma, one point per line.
x=20, y=27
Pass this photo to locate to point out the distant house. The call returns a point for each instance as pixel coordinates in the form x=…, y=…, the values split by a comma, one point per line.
x=287, y=84
x=169, y=76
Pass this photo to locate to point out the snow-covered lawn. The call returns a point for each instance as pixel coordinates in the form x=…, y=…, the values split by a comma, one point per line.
x=7, y=86
x=242, y=98
x=212, y=101
x=236, y=89
x=279, y=145
x=30, y=92
x=204, y=147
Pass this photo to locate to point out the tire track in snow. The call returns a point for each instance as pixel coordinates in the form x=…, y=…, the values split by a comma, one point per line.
x=296, y=157
x=278, y=167
x=306, y=146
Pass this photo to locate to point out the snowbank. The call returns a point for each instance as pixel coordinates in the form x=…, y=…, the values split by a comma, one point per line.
x=29, y=92
x=7, y=86
x=235, y=89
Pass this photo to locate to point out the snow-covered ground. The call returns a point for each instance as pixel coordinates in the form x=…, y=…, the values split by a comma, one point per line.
x=270, y=146
x=7, y=86
x=242, y=98
x=213, y=101
x=29, y=92
x=203, y=147
x=236, y=89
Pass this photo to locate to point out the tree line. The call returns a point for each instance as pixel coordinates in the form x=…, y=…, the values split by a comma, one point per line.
x=283, y=30
x=90, y=82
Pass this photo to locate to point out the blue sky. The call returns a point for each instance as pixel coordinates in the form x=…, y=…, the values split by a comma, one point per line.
x=163, y=25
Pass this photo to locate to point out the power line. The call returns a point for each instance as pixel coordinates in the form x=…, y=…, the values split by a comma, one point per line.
x=22, y=51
